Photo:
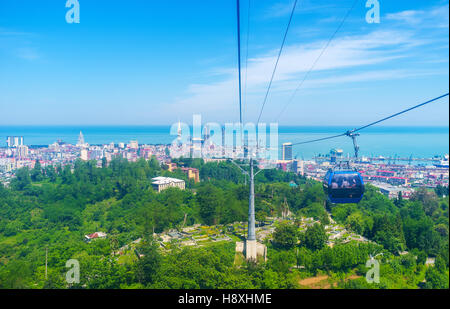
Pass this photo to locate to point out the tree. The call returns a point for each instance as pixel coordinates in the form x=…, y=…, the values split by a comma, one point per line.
x=36, y=172
x=408, y=261
x=285, y=236
x=399, y=200
x=149, y=264
x=271, y=279
x=388, y=231
x=441, y=190
x=210, y=199
x=304, y=257
x=260, y=216
x=50, y=173
x=315, y=237
x=421, y=257
x=439, y=264
x=16, y=275
x=428, y=199
x=154, y=165
x=282, y=261
x=356, y=222
x=316, y=211
x=104, y=162
x=22, y=179
x=435, y=279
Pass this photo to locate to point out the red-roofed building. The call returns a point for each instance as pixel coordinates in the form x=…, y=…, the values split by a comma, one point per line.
x=385, y=173
x=192, y=173
x=94, y=236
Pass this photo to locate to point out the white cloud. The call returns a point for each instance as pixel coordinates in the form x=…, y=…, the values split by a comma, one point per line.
x=348, y=60
x=27, y=53
x=18, y=44
x=436, y=17
x=378, y=47
x=373, y=75
x=352, y=51
x=410, y=17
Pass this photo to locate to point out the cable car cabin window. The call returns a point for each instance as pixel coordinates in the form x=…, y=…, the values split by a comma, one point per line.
x=345, y=187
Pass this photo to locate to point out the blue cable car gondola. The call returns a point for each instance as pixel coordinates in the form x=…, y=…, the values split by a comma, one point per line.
x=344, y=186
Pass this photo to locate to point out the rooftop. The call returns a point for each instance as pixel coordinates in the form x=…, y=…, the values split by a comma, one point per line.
x=165, y=180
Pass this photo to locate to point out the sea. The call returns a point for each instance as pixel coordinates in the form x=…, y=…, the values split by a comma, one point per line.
x=400, y=142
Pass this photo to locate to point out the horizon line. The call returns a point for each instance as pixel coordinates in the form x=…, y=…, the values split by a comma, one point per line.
x=168, y=125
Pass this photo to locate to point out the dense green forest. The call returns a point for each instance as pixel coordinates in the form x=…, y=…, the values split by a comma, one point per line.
x=54, y=207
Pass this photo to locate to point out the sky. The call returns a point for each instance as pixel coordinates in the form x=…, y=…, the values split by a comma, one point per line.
x=151, y=62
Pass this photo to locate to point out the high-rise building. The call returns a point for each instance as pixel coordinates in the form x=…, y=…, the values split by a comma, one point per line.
x=14, y=141
x=134, y=145
x=196, y=147
x=336, y=154
x=179, y=130
x=223, y=141
x=22, y=151
x=287, y=151
x=294, y=166
x=179, y=134
x=207, y=133
x=84, y=155
x=302, y=168
x=245, y=144
x=81, y=142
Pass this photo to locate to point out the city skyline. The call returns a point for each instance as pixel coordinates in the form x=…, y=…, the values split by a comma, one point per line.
x=155, y=63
